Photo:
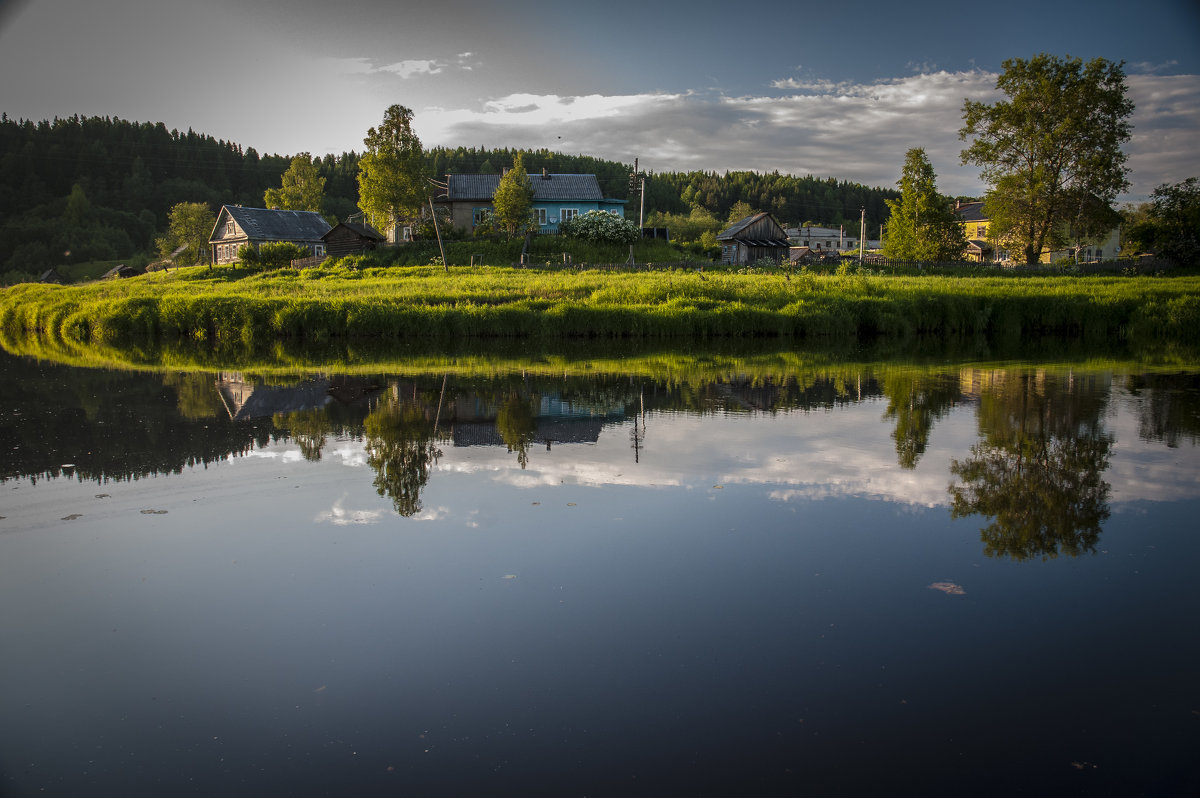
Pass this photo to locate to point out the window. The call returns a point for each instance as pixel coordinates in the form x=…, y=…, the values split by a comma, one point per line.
x=406, y=234
x=567, y=214
x=479, y=216
x=541, y=216
x=230, y=228
x=981, y=231
x=319, y=250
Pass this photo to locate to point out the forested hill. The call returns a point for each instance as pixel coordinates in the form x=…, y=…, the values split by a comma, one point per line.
x=100, y=188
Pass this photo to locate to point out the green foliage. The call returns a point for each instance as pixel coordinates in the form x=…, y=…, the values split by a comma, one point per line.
x=191, y=224
x=740, y=210
x=601, y=227
x=1169, y=225
x=690, y=227
x=302, y=190
x=922, y=225
x=1051, y=151
x=391, y=175
x=513, y=201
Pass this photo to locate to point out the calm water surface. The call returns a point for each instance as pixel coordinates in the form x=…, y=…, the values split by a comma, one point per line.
x=875, y=580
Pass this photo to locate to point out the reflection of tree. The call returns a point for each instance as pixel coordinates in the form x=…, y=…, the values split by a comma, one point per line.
x=1037, y=470
x=195, y=395
x=308, y=428
x=916, y=401
x=517, y=422
x=400, y=447
x=1170, y=407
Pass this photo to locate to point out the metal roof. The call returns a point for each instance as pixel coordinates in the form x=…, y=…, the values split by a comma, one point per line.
x=732, y=231
x=971, y=212
x=364, y=230
x=546, y=188
x=276, y=225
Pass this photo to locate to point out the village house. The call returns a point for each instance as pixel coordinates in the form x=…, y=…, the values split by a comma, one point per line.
x=827, y=240
x=556, y=198
x=752, y=239
x=975, y=221
x=237, y=226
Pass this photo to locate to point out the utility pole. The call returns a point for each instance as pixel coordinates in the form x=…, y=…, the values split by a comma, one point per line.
x=862, y=233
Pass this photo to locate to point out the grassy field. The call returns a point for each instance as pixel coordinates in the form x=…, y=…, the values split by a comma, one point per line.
x=222, y=307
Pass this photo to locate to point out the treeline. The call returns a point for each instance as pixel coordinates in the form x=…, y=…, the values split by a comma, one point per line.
x=98, y=188
x=85, y=189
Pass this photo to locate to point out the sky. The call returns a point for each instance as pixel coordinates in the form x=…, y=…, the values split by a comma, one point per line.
x=831, y=90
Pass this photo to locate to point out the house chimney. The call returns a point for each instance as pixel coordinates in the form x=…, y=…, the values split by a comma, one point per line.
x=544, y=175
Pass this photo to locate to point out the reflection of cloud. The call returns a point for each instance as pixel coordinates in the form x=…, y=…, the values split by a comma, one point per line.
x=431, y=514
x=354, y=456
x=339, y=516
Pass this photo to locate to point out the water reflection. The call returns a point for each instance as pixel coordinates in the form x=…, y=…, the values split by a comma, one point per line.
x=1037, y=471
x=1034, y=470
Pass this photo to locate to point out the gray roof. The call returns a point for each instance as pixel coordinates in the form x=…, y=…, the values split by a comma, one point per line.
x=971, y=212
x=546, y=188
x=276, y=225
x=731, y=232
x=364, y=230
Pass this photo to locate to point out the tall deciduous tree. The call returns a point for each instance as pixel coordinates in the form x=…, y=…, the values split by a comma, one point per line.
x=1051, y=151
x=1169, y=225
x=922, y=225
x=513, y=200
x=391, y=175
x=302, y=188
x=190, y=226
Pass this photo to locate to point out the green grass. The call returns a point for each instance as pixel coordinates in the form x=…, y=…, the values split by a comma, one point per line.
x=231, y=307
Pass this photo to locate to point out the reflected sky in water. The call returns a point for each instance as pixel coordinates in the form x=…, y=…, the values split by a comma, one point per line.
x=712, y=599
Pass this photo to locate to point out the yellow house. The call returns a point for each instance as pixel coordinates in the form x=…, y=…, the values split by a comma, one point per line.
x=975, y=224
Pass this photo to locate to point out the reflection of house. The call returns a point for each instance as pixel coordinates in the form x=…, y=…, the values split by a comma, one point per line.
x=556, y=198
x=753, y=238
x=545, y=430
x=244, y=400
x=237, y=226
x=347, y=238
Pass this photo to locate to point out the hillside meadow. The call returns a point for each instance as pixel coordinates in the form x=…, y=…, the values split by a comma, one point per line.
x=426, y=304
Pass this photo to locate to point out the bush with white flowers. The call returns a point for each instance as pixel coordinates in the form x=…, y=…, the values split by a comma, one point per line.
x=601, y=227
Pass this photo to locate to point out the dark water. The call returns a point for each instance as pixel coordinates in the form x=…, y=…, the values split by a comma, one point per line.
x=865, y=580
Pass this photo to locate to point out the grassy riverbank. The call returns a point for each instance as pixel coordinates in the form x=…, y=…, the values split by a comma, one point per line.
x=426, y=304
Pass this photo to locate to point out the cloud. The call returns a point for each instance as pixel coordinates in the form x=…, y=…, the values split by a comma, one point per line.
x=847, y=130
x=406, y=69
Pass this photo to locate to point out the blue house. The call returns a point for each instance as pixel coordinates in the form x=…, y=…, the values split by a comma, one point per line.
x=556, y=198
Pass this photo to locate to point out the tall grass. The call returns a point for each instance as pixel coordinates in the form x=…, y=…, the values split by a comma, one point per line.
x=228, y=307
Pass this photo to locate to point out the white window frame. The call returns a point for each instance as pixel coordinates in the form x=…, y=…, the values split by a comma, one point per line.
x=567, y=214
x=541, y=216
x=319, y=250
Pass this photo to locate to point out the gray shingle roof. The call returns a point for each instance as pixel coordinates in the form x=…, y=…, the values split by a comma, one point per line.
x=276, y=225
x=548, y=188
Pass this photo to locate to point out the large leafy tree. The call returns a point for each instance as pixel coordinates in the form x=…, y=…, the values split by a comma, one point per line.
x=922, y=225
x=190, y=226
x=302, y=188
x=1168, y=225
x=1051, y=151
x=513, y=200
x=391, y=175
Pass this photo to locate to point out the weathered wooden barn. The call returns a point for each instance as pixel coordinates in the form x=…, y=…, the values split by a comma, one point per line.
x=752, y=239
x=351, y=238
